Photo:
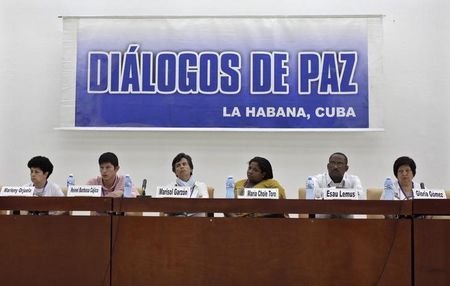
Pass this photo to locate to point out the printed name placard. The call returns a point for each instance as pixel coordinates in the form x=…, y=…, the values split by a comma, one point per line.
x=340, y=194
x=173, y=192
x=429, y=194
x=9, y=191
x=85, y=191
x=253, y=193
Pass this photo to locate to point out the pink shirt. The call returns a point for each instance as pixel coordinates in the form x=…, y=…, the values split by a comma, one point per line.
x=117, y=186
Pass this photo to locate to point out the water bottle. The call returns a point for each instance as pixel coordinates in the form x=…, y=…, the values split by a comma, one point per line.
x=127, y=188
x=310, y=188
x=229, y=186
x=70, y=181
x=388, y=189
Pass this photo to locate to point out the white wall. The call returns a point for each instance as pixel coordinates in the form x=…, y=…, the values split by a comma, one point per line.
x=415, y=96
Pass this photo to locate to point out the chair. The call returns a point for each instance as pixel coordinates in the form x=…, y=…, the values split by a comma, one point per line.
x=64, y=190
x=210, y=192
x=374, y=194
x=211, y=196
x=302, y=196
x=302, y=193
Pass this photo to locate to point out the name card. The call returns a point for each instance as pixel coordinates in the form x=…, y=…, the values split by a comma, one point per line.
x=8, y=191
x=253, y=193
x=340, y=194
x=173, y=192
x=85, y=191
x=429, y=194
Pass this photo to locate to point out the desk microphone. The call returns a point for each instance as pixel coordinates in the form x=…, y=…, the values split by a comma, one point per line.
x=422, y=185
x=144, y=186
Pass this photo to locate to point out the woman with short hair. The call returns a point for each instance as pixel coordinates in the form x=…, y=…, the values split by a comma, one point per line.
x=183, y=168
x=404, y=170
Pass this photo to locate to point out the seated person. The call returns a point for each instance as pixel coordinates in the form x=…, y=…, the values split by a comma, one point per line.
x=338, y=177
x=259, y=176
x=183, y=167
x=40, y=170
x=404, y=171
x=112, y=183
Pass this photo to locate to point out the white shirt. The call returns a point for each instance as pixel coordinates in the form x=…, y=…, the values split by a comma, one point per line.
x=399, y=195
x=322, y=181
x=49, y=190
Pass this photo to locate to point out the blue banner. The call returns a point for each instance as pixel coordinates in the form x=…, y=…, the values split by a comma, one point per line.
x=222, y=73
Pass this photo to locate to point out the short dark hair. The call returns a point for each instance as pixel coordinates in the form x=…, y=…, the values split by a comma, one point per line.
x=108, y=157
x=42, y=163
x=178, y=159
x=339, y=153
x=264, y=165
x=404, y=160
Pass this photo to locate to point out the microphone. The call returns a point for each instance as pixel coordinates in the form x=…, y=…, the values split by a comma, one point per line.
x=144, y=186
x=422, y=185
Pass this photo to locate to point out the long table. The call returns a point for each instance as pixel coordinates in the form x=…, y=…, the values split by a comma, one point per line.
x=55, y=250
x=431, y=243
x=111, y=249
